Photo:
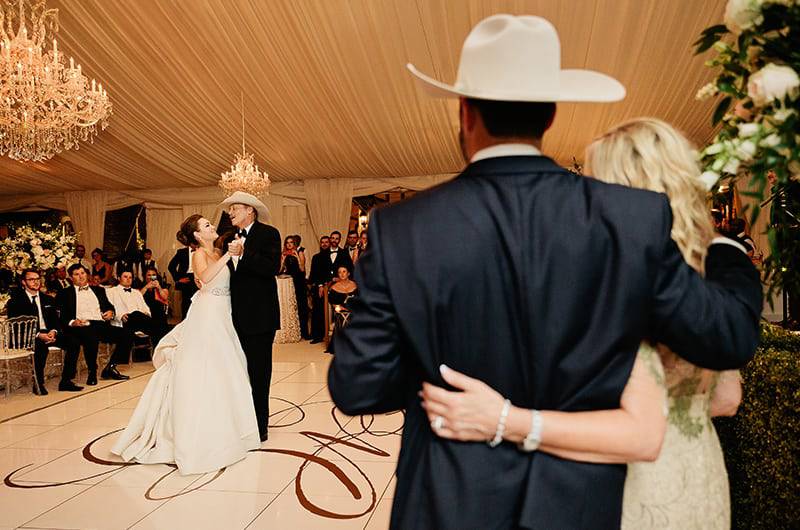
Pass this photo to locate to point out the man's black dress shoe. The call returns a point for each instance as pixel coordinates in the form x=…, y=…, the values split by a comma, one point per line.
x=92, y=379
x=111, y=372
x=69, y=386
x=40, y=390
x=264, y=437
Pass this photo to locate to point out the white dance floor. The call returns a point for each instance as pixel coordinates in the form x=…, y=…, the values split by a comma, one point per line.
x=319, y=468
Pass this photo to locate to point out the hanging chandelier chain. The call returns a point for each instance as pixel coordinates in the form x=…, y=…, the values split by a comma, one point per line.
x=244, y=174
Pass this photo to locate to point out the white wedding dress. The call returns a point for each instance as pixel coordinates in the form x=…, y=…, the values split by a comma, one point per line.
x=197, y=410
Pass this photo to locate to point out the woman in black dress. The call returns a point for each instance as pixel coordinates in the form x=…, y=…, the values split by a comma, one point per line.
x=156, y=296
x=294, y=264
x=340, y=294
x=101, y=268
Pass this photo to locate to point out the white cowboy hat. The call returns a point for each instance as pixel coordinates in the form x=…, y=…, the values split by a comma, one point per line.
x=509, y=58
x=240, y=197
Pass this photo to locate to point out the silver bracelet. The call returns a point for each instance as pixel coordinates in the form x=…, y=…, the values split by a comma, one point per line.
x=501, y=425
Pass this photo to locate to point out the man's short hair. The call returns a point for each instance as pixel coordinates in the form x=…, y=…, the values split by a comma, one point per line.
x=514, y=118
x=145, y=251
x=336, y=232
x=352, y=233
x=123, y=272
x=737, y=225
x=29, y=271
x=74, y=267
x=324, y=237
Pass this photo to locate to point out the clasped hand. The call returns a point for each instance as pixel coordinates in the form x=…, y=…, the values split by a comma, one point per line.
x=236, y=247
x=470, y=415
x=47, y=338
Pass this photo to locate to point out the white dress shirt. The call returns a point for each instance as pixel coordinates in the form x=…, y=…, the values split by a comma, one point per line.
x=126, y=302
x=335, y=253
x=496, y=151
x=36, y=300
x=87, y=306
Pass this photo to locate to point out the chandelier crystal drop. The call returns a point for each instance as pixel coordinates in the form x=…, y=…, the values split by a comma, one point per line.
x=45, y=106
x=244, y=174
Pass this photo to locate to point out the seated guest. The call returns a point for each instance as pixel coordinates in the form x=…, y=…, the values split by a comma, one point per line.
x=30, y=301
x=85, y=319
x=101, y=268
x=60, y=282
x=131, y=312
x=129, y=262
x=340, y=294
x=156, y=296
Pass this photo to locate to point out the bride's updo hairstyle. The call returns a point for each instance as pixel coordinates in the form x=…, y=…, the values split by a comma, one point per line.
x=188, y=227
x=650, y=154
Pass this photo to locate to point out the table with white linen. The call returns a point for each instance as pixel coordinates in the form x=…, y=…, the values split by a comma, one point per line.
x=290, y=324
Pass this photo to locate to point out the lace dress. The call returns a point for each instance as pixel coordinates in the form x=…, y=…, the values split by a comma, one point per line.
x=687, y=486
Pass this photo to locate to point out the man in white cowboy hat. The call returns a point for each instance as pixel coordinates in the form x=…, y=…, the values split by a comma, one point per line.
x=554, y=290
x=256, y=250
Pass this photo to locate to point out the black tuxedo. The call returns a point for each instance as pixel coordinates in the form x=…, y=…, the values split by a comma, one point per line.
x=179, y=269
x=89, y=336
x=580, y=273
x=56, y=285
x=342, y=259
x=256, y=312
x=20, y=305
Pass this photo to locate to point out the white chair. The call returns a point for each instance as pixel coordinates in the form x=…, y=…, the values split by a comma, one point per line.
x=17, y=341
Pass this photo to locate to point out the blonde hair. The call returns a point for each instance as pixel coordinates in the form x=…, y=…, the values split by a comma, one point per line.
x=650, y=154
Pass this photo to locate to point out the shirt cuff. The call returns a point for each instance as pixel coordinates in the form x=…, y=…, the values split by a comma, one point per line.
x=728, y=241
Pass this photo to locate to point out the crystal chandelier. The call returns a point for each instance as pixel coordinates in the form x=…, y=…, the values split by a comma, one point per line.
x=244, y=175
x=45, y=106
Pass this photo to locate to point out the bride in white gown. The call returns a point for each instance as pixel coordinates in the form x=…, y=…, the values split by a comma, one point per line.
x=197, y=410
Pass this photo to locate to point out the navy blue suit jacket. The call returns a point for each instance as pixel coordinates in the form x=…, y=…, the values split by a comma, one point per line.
x=543, y=284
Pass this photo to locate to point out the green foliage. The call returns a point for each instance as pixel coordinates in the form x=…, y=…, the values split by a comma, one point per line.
x=762, y=442
x=769, y=144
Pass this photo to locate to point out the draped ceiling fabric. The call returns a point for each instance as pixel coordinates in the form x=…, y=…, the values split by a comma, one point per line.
x=327, y=97
x=88, y=212
x=326, y=93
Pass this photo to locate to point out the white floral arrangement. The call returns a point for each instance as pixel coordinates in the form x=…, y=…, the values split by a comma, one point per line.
x=757, y=62
x=41, y=248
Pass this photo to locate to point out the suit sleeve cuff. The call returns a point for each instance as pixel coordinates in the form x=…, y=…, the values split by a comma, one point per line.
x=727, y=241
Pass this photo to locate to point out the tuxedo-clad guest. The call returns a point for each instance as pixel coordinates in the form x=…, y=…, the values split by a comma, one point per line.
x=180, y=267
x=320, y=275
x=86, y=314
x=147, y=263
x=80, y=255
x=101, y=267
x=156, y=296
x=30, y=301
x=594, y=271
x=131, y=312
x=338, y=256
x=60, y=282
x=351, y=245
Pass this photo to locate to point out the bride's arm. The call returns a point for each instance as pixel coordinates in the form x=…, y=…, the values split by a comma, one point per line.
x=634, y=432
x=205, y=271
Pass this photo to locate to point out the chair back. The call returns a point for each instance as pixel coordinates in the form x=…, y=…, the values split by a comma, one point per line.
x=18, y=334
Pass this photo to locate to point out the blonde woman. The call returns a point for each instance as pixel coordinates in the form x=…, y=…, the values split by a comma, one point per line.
x=686, y=487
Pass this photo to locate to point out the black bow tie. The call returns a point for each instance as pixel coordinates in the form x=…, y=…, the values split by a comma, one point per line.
x=126, y=289
x=85, y=288
x=242, y=233
x=334, y=251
